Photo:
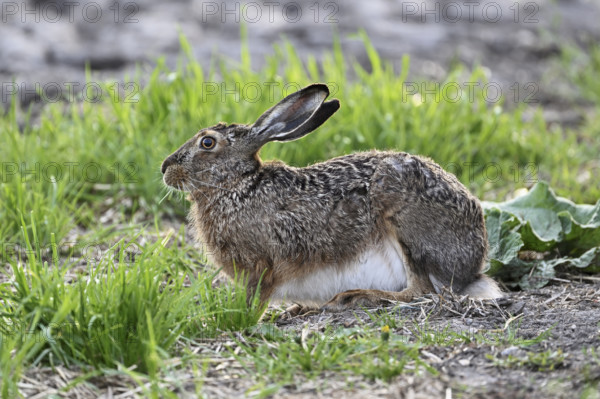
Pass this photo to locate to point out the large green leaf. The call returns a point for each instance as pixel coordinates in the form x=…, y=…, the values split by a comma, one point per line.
x=554, y=229
x=504, y=240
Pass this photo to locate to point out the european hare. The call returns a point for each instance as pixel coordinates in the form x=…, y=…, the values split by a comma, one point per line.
x=358, y=230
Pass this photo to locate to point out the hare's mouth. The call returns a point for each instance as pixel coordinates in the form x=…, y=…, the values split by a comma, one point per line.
x=176, y=176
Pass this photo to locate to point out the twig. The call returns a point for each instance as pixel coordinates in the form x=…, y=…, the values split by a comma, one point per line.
x=591, y=278
x=547, y=301
x=511, y=320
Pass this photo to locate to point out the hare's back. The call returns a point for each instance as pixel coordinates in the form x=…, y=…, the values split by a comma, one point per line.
x=413, y=179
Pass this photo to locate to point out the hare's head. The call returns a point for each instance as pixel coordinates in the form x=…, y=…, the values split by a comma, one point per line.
x=224, y=153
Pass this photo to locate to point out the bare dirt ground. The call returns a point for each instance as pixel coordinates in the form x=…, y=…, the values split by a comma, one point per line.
x=565, y=313
x=570, y=311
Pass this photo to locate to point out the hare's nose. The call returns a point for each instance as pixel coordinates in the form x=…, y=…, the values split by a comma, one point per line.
x=166, y=163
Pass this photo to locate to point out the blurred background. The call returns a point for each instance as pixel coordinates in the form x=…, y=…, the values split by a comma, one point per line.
x=51, y=41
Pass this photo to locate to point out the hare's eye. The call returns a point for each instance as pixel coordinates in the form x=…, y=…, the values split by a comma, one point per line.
x=207, y=142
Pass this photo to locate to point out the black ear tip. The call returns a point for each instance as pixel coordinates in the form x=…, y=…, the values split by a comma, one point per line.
x=335, y=103
x=318, y=86
x=332, y=105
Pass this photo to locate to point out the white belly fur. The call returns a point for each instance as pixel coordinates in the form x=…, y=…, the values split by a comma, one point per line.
x=381, y=267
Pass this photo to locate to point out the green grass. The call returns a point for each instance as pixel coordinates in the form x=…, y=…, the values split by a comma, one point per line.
x=538, y=361
x=427, y=335
x=581, y=67
x=115, y=314
x=372, y=349
x=310, y=355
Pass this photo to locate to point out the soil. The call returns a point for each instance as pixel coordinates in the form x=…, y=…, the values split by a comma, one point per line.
x=568, y=311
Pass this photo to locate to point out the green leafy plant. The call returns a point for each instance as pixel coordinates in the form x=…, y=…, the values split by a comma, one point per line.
x=538, y=232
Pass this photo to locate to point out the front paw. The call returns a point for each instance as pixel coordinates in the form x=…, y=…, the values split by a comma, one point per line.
x=297, y=310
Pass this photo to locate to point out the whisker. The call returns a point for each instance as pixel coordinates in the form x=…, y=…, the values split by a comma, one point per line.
x=203, y=170
x=210, y=185
x=195, y=190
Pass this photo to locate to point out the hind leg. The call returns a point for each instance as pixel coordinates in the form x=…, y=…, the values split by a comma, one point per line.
x=374, y=298
x=438, y=223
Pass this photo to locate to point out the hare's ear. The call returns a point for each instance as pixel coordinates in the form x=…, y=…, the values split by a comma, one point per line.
x=295, y=116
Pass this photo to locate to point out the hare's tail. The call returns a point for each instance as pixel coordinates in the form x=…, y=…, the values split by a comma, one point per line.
x=483, y=288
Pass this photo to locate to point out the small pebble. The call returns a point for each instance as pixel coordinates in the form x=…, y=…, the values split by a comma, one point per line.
x=464, y=362
x=513, y=351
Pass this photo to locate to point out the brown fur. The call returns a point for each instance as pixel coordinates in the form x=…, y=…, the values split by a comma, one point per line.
x=281, y=223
